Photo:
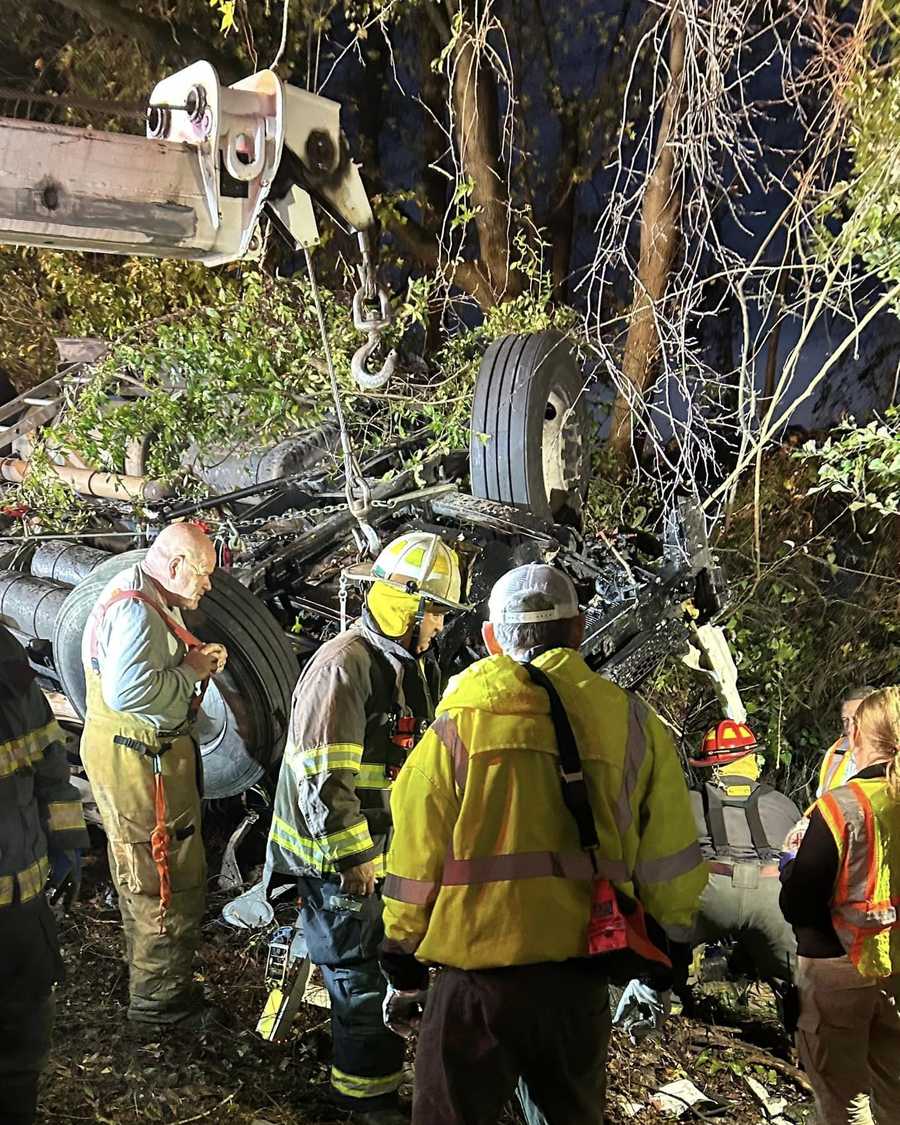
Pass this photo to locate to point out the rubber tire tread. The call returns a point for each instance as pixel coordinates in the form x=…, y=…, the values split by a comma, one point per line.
x=511, y=392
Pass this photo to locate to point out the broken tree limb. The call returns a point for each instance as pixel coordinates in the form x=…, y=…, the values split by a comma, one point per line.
x=714, y=1038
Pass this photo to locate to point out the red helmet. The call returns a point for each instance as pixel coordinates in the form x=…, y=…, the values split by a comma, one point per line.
x=725, y=743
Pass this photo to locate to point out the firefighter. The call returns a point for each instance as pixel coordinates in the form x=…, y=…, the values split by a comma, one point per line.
x=742, y=824
x=42, y=832
x=357, y=709
x=840, y=893
x=837, y=764
x=145, y=673
x=502, y=856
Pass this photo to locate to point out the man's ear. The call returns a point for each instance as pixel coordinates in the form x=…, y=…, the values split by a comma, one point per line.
x=577, y=631
x=173, y=565
x=490, y=640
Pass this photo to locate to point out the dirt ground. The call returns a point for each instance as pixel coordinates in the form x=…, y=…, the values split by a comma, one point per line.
x=103, y=1070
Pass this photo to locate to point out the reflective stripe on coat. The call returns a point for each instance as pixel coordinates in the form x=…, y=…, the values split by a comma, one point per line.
x=485, y=868
x=864, y=822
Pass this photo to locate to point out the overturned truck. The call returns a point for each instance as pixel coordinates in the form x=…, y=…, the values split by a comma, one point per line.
x=286, y=534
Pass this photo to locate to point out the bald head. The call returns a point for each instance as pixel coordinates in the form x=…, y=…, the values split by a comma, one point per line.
x=181, y=560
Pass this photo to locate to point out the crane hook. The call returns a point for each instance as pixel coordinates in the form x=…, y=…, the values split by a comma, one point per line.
x=373, y=324
x=371, y=380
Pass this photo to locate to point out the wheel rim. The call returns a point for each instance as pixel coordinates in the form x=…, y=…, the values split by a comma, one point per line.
x=560, y=444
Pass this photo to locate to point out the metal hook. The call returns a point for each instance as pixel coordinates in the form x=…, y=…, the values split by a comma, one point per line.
x=372, y=380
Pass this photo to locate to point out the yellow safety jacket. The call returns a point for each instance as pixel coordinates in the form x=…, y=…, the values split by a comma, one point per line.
x=835, y=768
x=485, y=868
x=864, y=822
x=39, y=806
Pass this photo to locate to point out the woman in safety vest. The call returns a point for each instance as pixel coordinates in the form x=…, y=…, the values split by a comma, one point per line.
x=841, y=894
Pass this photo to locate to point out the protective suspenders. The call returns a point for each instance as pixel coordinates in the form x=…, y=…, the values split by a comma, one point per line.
x=714, y=805
x=160, y=840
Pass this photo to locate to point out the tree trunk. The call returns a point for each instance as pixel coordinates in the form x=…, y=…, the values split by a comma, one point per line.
x=478, y=139
x=660, y=237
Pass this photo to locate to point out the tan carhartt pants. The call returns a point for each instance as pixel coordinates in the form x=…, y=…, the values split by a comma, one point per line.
x=848, y=1038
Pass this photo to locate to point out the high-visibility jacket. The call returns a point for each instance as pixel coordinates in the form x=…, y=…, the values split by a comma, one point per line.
x=343, y=752
x=837, y=766
x=485, y=868
x=39, y=806
x=864, y=822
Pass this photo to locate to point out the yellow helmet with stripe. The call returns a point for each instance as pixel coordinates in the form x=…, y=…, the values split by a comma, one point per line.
x=420, y=564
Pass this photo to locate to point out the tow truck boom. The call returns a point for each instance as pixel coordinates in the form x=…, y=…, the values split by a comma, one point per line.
x=195, y=187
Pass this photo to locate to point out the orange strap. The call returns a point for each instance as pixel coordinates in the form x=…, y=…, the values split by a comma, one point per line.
x=159, y=842
x=183, y=634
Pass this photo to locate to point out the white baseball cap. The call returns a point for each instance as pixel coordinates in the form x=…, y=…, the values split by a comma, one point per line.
x=506, y=605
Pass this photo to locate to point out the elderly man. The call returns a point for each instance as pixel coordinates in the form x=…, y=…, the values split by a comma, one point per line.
x=41, y=832
x=145, y=674
x=357, y=710
x=541, y=802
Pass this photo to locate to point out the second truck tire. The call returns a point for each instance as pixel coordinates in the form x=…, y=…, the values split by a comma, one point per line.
x=530, y=429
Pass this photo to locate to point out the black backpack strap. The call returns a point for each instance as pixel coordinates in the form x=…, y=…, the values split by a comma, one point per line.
x=571, y=775
x=714, y=814
x=761, y=844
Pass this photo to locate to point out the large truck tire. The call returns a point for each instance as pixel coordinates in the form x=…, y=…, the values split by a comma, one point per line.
x=530, y=431
x=246, y=710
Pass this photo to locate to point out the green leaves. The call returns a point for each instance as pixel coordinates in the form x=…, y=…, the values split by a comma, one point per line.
x=862, y=463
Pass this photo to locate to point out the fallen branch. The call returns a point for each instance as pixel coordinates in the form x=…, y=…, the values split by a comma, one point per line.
x=787, y=1069
x=206, y=1113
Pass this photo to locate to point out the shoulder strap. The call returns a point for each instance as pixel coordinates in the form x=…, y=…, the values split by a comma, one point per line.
x=714, y=813
x=183, y=634
x=761, y=843
x=571, y=775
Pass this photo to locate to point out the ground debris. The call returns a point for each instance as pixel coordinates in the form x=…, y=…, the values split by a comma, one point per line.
x=103, y=1070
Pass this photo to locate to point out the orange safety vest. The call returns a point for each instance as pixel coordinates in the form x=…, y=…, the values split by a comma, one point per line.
x=160, y=840
x=864, y=822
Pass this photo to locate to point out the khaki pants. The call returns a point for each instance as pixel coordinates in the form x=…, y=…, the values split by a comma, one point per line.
x=160, y=964
x=848, y=1038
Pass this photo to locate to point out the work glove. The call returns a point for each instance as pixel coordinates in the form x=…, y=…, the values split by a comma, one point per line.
x=64, y=881
x=402, y=1010
x=642, y=1011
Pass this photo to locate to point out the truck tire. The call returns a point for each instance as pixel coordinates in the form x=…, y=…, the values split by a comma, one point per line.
x=530, y=431
x=247, y=707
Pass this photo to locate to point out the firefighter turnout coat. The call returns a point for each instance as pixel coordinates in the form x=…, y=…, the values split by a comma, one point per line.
x=485, y=868
x=39, y=806
x=332, y=803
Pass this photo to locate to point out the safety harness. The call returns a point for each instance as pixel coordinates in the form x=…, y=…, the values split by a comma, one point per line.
x=160, y=840
x=714, y=805
x=618, y=927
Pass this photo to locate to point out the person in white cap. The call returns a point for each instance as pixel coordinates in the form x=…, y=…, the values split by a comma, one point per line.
x=542, y=813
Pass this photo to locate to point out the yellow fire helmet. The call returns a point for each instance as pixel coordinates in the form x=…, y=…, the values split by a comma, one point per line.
x=420, y=564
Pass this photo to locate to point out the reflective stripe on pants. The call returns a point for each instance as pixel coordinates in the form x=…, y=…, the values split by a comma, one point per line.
x=343, y=933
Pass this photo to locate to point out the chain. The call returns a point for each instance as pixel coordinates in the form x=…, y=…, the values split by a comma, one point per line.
x=357, y=488
x=233, y=527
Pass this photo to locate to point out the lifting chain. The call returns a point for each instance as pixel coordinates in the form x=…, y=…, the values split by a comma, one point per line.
x=359, y=496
